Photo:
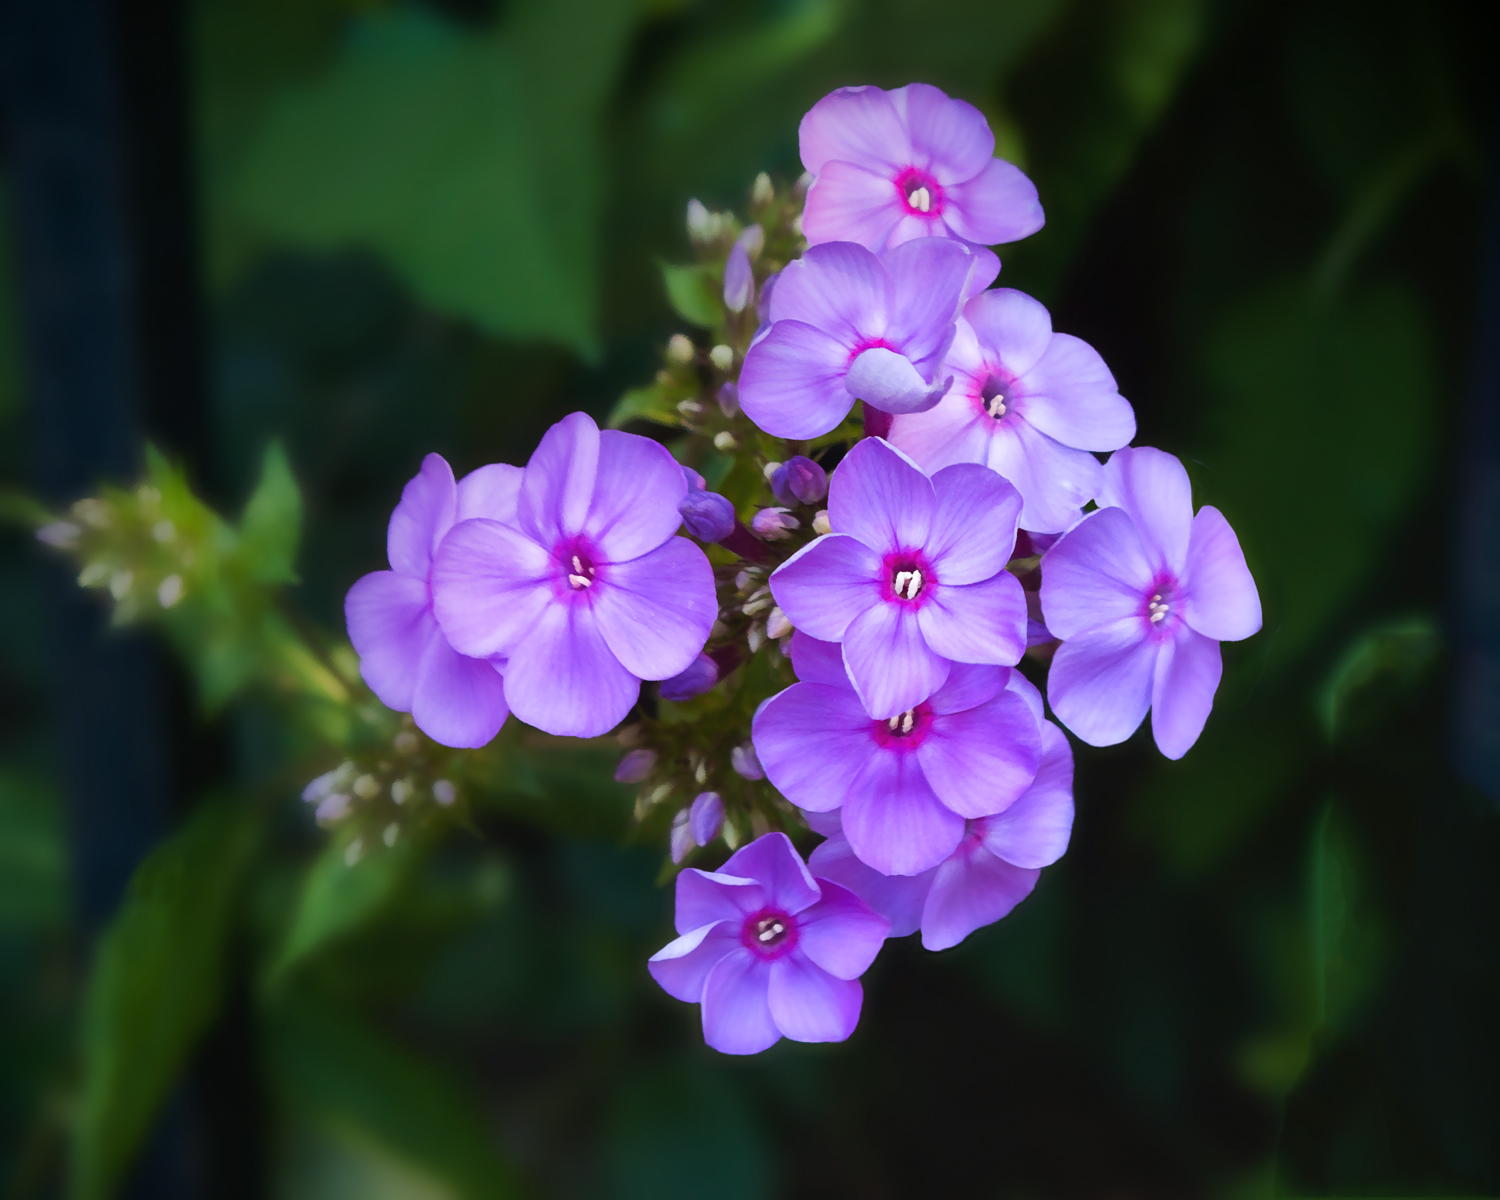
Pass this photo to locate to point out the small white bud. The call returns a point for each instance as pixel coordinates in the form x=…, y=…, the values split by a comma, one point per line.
x=148, y=495
x=680, y=348
x=770, y=469
x=756, y=637
x=170, y=591
x=392, y=832
x=355, y=852
x=754, y=240
x=62, y=534
x=761, y=191
x=690, y=408
x=699, y=221
x=119, y=584
x=797, y=224
x=805, y=181
x=406, y=742
x=164, y=531
x=403, y=790
x=366, y=787
x=93, y=575
x=332, y=809
x=93, y=513
x=658, y=794
x=721, y=356
x=725, y=442
x=444, y=792
x=777, y=624
x=820, y=522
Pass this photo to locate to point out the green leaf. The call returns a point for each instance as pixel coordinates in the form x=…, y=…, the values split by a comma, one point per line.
x=1349, y=940
x=696, y=292
x=155, y=988
x=643, y=404
x=33, y=855
x=1395, y=654
x=354, y=1079
x=272, y=525
x=470, y=160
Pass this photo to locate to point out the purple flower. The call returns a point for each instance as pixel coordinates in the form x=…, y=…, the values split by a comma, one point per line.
x=739, y=278
x=1025, y=401
x=403, y=655
x=912, y=577
x=1142, y=592
x=706, y=817
x=586, y=591
x=701, y=675
x=994, y=868
x=709, y=517
x=799, y=480
x=769, y=951
x=846, y=326
x=909, y=163
x=773, y=523
x=907, y=784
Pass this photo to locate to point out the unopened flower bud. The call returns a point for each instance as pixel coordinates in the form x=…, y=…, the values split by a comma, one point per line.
x=366, y=787
x=804, y=181
x=699, y=221
x=709, y=517
x=93, y=575
x=635, y=766
x=690, y=408
x=778, y=625
x=164, y=531
x=354, y=852
x=756, y=637
x=769, y=470
x=706, y=817
x=392, y=832
x=773, y=523
x=745, y=763
x=739, y=278
x=682, y=836
x=725, y=442
x=763, y=304
x=701, y=675
x=170, y=591
x=680, y=348
x=799, y=480
x=328, y=782
x=797, y=224
x=729, y=399
x=62, y=534
x=761, y=191
x=93, y=513
x=722, y=357
x=406, y=742
x=332, y=808
x=759, y=601
x=820, y=522
x=444, y=792
x=403, y=790
x=119, y=584
x=695, y=481
x=754, y=240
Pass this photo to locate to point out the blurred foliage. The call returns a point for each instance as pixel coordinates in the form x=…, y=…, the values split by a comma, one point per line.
x=1270, y=968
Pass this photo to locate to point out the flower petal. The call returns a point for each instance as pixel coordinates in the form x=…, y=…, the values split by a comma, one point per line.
x=827, y=584
x=889, y=660
x=559, y=481
x=850, y=203
x=423, y=516
x=1100, y=683
x=888, y=381
x=839, y=288
x=971, y=891
x=490, y=585
x=492, y=492
x=682, y=966
x=974, y=525
x=1153, y=488
x=894, y=820
x=707, y=896
x=818, y=661
x=999, y=204
x=1182, y=695
x=792, y=381
x=1219, y=595
x=979, y=622
x=929, y=278
x=897, y=898
x=853, y=124
x=391, y=625
x=969, y=685
x=1072, y=397
x=1011, y=328
x=1034, y=831
x=564, y=679
x=773, y=862
x=980, y=760
x=655, y=612
x=812, y=740
x=810, y=1005
x=952, y=431
x=1095, y=574
x=459, y=701
x=841, y=933
x=950, y=139
x=1055, y=481
x=736, y=1012
x=881, y=497
x=637, y=489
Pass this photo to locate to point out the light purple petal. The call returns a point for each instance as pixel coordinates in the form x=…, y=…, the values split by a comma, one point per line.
x=1023, y=687
x=827, y=584
x=1095, y=574
x=492, y=492
x=1099, y=684
x=974, y=525
x=706, y=818
x=971, y=891
x=889, y=659
x=1187, y=676
x=898, y=898
x=984, y=271
x=1153, y=488
x=490, y=585
x=841, y=933
x=999, y=204
x=1218, y=593
x=839, y=288
x=707, y=896
x=853, y=124
x=969, y=685
x=826, y=823
x=1034, y=831
x=1072, y=398
x=881, y=497
x=849, y=203
x=391, y=625
x=950, y=139
x=459, y=701
x=980, y=622
x=810, y=1005
x=1013, y=329
x=773, y=862
x=424, y=515
x=637, y=489
x=952, y=431
x=563, y=678
x=811, y=740
x=792, y=381
x=655, y=611
x=682, y=966
x=889, y=382
x=559, y=481
x=1054, y=480
x=736, y=1012
x=817, y=661
x=893, y=819
x=980, y=760
x=739, y=278
x=929, y=277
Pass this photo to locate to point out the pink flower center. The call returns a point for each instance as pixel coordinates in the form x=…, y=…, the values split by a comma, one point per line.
x=997, y=395
x=770, y=933
x=920, y=193
x=1161, y=605
x=904, y=731
x=908, y=577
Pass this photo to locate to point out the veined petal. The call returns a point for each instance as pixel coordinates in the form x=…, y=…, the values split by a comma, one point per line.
x=637, y=489
x=999, y=204
x=391, y=625
x=1055, y=481
x=773, y=862
x=1187, y=676
x=969, y=685
x=1034, y=831
x=929, y=277
x=952, y=431
x=980, y=622
x=1011, y=328
x=969, y=892
x=818, y=661
x=950, y=139
x=792, y=381
x=423, y=516
x=492, y=492
x=980, y=760
x=490, y=585
x=655, y=612
x=897, y=898
x=849, y=203
x=1219, y=595
x=682, y=966
x=736, y=1012
x=974, y=524
x=889, y=659
x=853, y=124
x=881, y=497
x=559, y=481
x=1153, y=488
x=893, y=819
x=827, y=584
x=1100, y=682
x=1071, y=397
x=1023, y=687
x=707, y=896
x=564, y=679
x=1095, y=574
x=841, y=933
x=812, y=740
x=458, y=701
x=810, y=1005
x=839, y=288
x=888, y=381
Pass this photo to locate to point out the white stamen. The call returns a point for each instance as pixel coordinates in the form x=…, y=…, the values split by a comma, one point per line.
x=995, y=406
x=908, y=583
x=921, y=199
x=902, y=723
x=772, y=931
x=580, y=581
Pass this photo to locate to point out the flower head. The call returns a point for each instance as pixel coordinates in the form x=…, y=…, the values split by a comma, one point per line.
x=585, y=590
x=769, y=951
x=1142, y=592
x=799, y=480
x=909, y=163
x=906, y=784
x=455, y=699
x=847, y=325
x=1025, y=401
x=913, y=577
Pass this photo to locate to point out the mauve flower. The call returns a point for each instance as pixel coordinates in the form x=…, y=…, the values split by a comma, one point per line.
x=913, y=578
x=586, y=591
x=994, y=868
x=709, y=517
x=1025, y=401
x=769, y=951
x=404, y=657
x=908, y=784
x=847, y=325
x=1142, y=592
x=909, y=163
x=701, y=675
x=799, y=480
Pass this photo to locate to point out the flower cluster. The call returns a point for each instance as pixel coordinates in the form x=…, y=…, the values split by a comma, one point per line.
x=898, y=519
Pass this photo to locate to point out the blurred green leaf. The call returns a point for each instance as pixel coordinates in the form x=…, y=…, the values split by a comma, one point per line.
x=1349, y=941
x=33, y=855
x=696, y=292
x=155, y=987
x=272, y=525
x=1395, y=654
x=468, y=159
x=643, y=404
x=359, y=1082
